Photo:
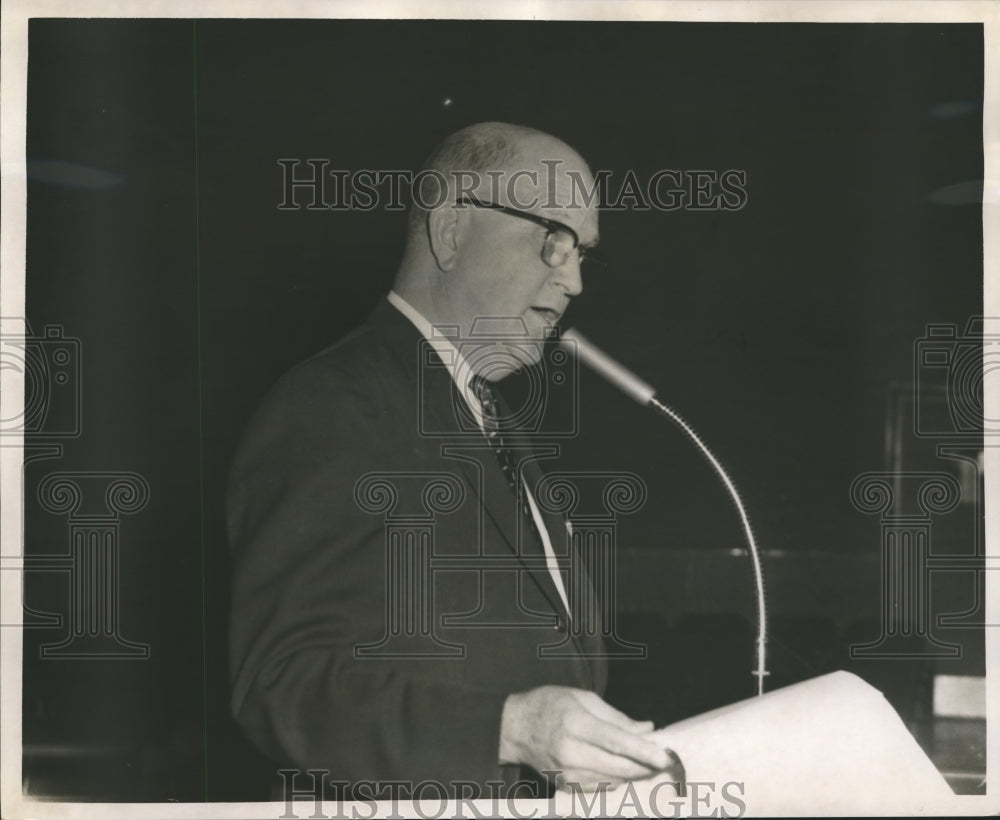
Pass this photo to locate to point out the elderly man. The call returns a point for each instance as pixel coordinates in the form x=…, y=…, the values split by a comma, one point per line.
x=496, y=240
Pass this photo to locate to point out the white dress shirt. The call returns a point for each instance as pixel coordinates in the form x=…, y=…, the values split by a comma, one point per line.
x=461, y=374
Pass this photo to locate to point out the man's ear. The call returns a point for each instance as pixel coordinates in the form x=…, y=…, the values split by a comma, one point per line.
x=443, y=235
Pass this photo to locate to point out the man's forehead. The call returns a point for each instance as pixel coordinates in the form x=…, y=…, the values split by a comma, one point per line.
x=544, y=157
x=554, y=184
x=547, y=177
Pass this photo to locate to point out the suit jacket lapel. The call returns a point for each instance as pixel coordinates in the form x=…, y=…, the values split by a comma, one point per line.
x=441, y=416
x=586, y=637
x=479, y=463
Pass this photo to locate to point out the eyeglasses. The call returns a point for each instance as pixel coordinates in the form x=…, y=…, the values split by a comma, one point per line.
x=560, y=241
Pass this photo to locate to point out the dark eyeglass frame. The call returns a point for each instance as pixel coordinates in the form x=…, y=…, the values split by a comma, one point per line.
x=551, y=225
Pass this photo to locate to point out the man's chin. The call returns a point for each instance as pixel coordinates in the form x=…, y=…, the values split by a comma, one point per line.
x=507, y=358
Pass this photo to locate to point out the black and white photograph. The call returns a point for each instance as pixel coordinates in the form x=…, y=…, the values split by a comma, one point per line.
x=479, y=410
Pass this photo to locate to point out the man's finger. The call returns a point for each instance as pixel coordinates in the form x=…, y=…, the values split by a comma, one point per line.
x=587, y=780
x=605, y=711
x=610, y=766
x=676, y=770
x=625, y=744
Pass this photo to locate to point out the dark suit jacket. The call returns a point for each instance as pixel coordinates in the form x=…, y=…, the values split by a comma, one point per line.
x=312, y=581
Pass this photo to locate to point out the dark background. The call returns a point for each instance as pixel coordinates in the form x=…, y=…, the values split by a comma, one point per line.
x=155, y=239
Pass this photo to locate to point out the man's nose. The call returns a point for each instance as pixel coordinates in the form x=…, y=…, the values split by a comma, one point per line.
x=568, y=276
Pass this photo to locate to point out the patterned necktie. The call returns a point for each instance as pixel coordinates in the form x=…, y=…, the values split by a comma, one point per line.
x=487, y=396
x=493, y=426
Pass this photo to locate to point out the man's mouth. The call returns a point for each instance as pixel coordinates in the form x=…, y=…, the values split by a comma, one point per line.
x=548, y=314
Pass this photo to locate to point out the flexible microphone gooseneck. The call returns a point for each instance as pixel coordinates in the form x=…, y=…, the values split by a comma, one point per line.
x=634, y=387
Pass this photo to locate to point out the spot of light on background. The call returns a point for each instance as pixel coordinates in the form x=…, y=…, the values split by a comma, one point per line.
x=951, y=109
x=71, y=175
x=447, y=102
x=970, y=192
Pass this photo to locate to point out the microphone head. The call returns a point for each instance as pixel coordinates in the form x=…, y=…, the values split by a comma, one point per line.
x=597, y=360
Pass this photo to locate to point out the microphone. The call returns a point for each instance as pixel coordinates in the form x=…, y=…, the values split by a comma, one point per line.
x=635, y=388
x=600, y=362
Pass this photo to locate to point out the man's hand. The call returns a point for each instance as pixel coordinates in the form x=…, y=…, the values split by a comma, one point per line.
x=574, y=732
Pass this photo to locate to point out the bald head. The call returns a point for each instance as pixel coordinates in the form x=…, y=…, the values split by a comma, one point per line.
x=496, y=228
x=495, y=161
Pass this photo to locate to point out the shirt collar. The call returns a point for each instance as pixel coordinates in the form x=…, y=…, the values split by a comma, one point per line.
x=439, y=339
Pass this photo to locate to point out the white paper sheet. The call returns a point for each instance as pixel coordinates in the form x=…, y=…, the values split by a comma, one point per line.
x=835, y=733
